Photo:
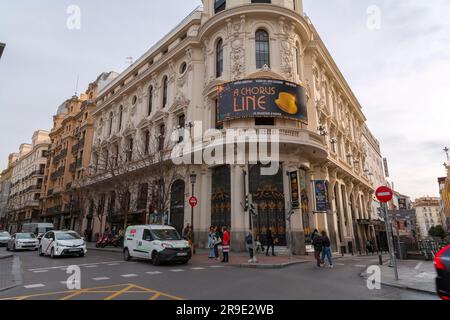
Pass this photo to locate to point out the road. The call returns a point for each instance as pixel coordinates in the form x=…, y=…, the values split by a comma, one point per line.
x=105, y=276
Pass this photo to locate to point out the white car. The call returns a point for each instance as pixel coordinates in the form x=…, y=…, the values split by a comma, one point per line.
x=23, y=241
x=156, y=243
x=62, y=243
x=4, y=238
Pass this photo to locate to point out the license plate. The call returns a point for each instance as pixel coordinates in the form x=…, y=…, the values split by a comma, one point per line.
x=182, y=254
x=74, y=250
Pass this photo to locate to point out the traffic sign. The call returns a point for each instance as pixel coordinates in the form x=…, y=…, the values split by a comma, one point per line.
x=193, y=201
x=384, y=194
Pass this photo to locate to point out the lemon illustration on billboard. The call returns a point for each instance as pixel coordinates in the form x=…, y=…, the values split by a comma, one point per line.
x=287, y=102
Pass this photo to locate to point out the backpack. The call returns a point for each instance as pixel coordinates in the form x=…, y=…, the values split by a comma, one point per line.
x=318, y=243
x=249, y=239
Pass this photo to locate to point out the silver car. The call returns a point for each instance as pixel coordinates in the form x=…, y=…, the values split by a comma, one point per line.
x=23, y=241
x=4, y=238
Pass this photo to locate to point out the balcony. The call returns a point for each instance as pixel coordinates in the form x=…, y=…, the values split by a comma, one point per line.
x=58, y=173
x=73, y=167
x=60, y=156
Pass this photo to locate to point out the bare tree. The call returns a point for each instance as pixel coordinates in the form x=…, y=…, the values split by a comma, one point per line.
x=141, y=174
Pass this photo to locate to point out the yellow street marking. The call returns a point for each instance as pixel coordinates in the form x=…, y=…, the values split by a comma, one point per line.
x=118, y=293
x=156, y=296
x=159, y=292
x=73, y=295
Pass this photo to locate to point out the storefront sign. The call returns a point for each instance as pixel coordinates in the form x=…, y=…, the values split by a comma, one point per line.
x=261, y=98
x=295, y=196
x=320, y=188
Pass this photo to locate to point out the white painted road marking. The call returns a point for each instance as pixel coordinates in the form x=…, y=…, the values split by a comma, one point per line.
x=93, y=266
x=198, y=268
x=34, y=286
x=154, y=272
x=129, y=275
x=40, y=271
x=339, y=264
x=419, y=265
x=360, y=266
x=216, y=267
x=113, y=264
x=176, y=270
x=79, y=265
x=101, y=279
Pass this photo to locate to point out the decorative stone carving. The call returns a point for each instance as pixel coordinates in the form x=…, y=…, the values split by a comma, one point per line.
x=287, y=41
x=237, y=58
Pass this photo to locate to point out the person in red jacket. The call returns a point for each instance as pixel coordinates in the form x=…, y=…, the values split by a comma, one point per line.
x=225, y=244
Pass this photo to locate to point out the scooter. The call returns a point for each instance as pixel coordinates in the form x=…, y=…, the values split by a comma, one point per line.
x=101, y=243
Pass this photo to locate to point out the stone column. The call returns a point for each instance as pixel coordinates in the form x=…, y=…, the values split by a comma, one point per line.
x=203, y=212
x=239, y=226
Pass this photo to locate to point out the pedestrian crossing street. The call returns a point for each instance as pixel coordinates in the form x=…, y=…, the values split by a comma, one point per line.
x=109, y=264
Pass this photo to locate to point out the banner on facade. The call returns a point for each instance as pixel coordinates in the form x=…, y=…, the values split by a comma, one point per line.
x=320, y=190
x=295, y=196
x=261, y=98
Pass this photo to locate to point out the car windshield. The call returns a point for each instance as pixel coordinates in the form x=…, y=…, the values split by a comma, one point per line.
x=166, y=234
x=44, y=230
x=22, y=236
x=4, y=234
x=67, y=236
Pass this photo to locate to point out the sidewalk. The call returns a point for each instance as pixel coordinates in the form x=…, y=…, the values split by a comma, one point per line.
x=413, y=275
x=237, y=259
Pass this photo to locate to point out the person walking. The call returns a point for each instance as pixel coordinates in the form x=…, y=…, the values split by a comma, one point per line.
x=270, y=242
x=225, y=245
x=217, y=242
x=211, y=237
x=326, y=250
x=249, y=244
x=318, y=247
x=186, y=230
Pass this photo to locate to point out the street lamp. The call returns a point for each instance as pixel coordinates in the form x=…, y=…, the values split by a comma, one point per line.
x=193, y=181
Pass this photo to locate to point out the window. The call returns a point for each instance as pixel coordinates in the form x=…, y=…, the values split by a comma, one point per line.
x=262, y=49
x=162, y=133
x=110, y=123
x=183, y=68
x=219, y=58
x=142, y=198
x=165, y=91
x=146, y=142
x=219, y=5
x=130, y=150
x=147, y=236
x=134, y=100
x=181, y=126
x=120, y=117
x=150, y=101
x=116, y=155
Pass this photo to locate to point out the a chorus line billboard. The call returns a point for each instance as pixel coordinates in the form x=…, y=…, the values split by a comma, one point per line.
x=261, y=98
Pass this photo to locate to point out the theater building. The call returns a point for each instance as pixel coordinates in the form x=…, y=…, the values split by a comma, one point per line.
x=244, y=64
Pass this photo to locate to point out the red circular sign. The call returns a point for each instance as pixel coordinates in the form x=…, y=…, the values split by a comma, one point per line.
x=193, y=201
x=384, y=194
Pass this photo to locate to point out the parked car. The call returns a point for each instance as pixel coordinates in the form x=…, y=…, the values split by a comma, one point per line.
x=4, y=238
x=23, y=241
x=442, y=264
x=62, y=243
x=156, y=243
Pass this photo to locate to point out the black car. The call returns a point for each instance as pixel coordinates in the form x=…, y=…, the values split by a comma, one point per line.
x=442, y=264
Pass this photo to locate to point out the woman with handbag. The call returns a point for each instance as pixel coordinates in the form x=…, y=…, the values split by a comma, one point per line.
x=217, y=242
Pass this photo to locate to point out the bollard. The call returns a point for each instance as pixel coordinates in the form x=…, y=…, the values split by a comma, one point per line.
x=381, y=259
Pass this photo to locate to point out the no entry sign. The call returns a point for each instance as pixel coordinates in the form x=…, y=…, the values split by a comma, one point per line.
x=193, y=201
x=384, y=194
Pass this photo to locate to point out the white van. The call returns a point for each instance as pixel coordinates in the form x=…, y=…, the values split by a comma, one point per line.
x=156, y=243
x=38, y=229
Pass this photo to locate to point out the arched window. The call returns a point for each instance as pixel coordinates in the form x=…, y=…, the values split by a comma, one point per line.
x=110, y=123
x=120, y=117
x=150, y=100
x=165, y=91
x=262, y=48
x=219, y=58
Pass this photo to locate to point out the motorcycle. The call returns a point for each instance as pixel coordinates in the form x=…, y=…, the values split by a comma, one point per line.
x=102, y=241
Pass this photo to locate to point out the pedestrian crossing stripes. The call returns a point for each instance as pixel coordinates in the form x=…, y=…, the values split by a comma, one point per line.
x=101, y=279
x=154, y=272
x=34, y=286
x=177, y=270
x=198, y=268
x=129, y=275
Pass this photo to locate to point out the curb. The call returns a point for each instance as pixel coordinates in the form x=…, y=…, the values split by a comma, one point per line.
x=399, y=286
x=268, y=266
x=8, y=288
x=104, y=250
x=6, y=256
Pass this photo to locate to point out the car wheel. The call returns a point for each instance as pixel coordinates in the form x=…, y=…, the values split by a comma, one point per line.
x=41, y=254
x=126, y=255
x=52, y=254
x=81, y=255
x=155, y=259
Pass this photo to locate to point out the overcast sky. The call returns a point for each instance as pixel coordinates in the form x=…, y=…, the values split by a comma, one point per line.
x=399, y=71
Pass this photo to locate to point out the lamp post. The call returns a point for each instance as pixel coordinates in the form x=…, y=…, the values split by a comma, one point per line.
x=193, y=181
